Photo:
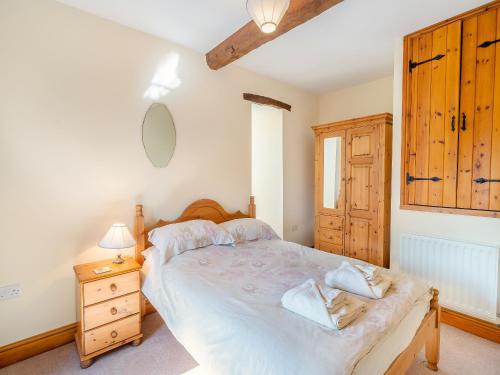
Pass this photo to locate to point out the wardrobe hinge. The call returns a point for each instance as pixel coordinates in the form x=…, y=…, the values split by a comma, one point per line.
x=484, y=180
x=414, y=64
x=410, y=179
x=488, y=43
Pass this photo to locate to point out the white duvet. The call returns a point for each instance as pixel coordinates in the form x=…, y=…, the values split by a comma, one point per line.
x=223, y=304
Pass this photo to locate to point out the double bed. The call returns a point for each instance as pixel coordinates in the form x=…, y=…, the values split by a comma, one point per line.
x=223, y=304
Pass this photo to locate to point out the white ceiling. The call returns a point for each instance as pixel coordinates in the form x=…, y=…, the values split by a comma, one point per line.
x=349, y=44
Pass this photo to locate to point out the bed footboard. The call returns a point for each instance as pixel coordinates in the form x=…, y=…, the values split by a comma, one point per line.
x=428, y=334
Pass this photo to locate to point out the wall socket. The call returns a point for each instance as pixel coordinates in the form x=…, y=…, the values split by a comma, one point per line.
x=10, y=291
x=295, y=227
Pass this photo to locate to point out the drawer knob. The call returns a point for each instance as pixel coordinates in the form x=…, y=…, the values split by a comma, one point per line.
x=331, y=238
x=113, y=287
x=331, y=223
x=114, y=334
x=113, y=311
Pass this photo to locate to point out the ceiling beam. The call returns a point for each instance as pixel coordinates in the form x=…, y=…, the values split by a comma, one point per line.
x=264, y=100
x=250, y=37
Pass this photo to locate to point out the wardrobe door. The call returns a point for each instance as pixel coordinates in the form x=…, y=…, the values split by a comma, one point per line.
x=479, y=161
x=433, y=117
x=361, y=193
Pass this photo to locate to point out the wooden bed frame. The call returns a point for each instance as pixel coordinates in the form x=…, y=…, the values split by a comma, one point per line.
x=428, y=334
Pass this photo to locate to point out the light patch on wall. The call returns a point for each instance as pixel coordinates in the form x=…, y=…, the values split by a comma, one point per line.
x=165, y=78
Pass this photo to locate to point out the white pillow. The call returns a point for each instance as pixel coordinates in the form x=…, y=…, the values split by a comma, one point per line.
x=249, y=230
x=188, y=235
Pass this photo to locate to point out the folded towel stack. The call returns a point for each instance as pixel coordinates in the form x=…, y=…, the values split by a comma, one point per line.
x=330, y=307
x=363, y=280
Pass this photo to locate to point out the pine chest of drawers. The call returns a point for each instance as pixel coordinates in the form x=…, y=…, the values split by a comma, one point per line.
x=108, y=308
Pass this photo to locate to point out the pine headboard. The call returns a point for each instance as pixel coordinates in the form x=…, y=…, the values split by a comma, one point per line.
x=206, y=209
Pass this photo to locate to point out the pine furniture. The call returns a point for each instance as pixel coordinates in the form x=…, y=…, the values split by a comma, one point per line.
x=427, y=335
x=108, y=308
x=353, y=187
x=451, y=115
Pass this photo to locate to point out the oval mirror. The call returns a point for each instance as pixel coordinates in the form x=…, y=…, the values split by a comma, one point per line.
x=158, y=135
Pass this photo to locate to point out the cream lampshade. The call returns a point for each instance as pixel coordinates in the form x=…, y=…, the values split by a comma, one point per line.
x=118, y=237
x=267, y=14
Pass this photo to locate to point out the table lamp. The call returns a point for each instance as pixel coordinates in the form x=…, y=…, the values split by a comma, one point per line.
x=118, y=237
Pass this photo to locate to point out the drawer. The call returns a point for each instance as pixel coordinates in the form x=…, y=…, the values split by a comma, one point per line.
x=332, y=236
x=111, y=287
x=331, y=248
x=111, y=310
x=331, y=222
x=112, y=333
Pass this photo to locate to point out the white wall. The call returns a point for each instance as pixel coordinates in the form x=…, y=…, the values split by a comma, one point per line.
x=267, y=164
x=357, y=101
x=71, y=158
x=454, y=227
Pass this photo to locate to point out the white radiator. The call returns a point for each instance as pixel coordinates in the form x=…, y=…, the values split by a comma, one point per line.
x=467, y=275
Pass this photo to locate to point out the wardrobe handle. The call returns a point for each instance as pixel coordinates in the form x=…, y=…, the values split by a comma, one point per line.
x=453, y=123
x=464, y=119
x=483, y=180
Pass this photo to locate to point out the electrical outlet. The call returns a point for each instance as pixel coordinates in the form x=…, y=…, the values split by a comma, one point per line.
x=10, y=291
x=295, y=228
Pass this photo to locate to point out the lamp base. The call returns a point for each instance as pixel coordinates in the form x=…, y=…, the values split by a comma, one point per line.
x=118, y=259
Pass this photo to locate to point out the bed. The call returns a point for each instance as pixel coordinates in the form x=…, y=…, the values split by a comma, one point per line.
x=223, y=304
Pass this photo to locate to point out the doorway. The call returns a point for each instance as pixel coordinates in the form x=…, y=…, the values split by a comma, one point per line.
x=267, y=164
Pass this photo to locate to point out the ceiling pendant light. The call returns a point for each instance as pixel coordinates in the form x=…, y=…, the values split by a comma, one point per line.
x=267, y=14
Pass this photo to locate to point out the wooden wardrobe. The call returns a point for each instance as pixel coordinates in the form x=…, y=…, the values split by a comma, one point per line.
x=451, y=122
x=353, y=188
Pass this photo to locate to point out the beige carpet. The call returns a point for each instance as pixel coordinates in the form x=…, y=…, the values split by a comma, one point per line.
x=160, y=353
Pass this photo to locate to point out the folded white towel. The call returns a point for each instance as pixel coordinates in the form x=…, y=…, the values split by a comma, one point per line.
x=369, y=272
x=351, y=279
x=320, y=305
x=348, y=313
x=334, y=298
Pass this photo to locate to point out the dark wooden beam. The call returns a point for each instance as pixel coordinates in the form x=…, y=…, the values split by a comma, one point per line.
x=264, y=100
x=250, y=37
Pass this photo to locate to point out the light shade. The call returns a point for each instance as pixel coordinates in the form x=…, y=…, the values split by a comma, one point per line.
x=267, y=14
x=117, y=237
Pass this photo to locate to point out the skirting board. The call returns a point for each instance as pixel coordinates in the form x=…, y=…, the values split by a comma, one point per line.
x=43, y=342
x=27, y=348
x=21, y=350
x=472, y=325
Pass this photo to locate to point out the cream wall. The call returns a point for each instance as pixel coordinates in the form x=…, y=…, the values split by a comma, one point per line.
x=361, y=100
x=71, y=158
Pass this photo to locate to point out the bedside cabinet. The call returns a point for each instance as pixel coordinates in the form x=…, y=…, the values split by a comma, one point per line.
x=108, y=308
